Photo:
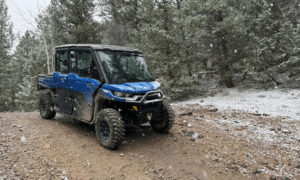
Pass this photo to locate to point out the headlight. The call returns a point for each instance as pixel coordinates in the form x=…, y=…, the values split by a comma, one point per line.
x=121, y=94
x=127, y=95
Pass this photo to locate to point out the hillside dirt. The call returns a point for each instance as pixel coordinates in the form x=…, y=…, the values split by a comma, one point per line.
x=196, y=148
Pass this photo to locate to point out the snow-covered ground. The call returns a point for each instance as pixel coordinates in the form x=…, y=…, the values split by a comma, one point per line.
x=278, y=102
x=276, y=136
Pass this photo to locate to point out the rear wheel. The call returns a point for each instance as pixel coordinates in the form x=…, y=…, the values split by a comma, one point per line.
x=46, y=106
x=110, y=128
x=165, y=119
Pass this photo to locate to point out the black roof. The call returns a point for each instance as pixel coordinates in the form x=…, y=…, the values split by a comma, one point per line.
x=100, y=47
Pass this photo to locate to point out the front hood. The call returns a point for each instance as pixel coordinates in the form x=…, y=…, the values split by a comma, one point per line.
x=138, y=87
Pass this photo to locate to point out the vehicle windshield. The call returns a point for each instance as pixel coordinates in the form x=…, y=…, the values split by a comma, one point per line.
x=121, y=67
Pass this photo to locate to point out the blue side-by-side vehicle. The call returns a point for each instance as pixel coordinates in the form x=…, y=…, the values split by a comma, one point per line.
x=106, y=86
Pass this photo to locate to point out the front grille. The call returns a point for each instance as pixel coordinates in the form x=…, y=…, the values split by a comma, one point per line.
x=152, y=97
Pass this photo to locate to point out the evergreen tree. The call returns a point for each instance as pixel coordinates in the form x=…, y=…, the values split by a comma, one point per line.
x=72, y=22
x=274, y=37
x=28, y=67
x=6, y=43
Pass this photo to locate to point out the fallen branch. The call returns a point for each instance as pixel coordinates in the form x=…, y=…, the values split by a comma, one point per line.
x=277, y=83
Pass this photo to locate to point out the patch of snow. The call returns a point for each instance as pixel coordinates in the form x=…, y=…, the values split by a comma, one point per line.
x=278, y=102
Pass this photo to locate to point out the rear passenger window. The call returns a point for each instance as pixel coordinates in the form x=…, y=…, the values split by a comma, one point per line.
x=61, y=62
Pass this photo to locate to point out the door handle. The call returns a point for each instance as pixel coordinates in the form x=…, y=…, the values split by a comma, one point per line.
x=62, y=79
x=90, y=84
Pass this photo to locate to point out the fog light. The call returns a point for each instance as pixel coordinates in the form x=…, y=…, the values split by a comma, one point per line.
x=159, y=95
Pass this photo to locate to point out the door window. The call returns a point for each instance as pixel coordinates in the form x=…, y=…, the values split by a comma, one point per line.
x=61, y=62
x=83, y=65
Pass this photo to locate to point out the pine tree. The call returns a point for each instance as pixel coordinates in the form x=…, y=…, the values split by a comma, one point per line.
x=28, y=68
x=274, y=33
x=72, y=21
x=6, y=43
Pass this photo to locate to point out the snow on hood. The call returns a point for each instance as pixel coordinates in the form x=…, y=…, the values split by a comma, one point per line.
x=137, y=87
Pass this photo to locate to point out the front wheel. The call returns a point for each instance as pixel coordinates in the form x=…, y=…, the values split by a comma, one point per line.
x=110, y=129
x=165, y=119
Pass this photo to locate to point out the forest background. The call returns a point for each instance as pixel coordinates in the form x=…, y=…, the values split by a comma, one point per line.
x=183, y=41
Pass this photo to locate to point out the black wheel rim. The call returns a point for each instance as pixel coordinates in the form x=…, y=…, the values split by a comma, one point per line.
x=104, y=130
x=43, y=105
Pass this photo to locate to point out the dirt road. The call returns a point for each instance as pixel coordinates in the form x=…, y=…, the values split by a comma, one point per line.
x=34, y=148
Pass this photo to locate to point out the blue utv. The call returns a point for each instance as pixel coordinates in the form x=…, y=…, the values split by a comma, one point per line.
x=106, y=86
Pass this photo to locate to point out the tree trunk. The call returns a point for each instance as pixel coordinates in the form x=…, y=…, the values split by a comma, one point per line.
x=224, y=66
x=48, y=66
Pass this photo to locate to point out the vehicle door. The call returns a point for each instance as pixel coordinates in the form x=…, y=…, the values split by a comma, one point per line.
x=83, y=82
x=62, y=95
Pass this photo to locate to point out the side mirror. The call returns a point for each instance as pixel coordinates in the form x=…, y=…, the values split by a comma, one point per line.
x=65, y=63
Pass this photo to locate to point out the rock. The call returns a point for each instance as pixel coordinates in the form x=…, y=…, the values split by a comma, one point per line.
x=189, y=125
x=121, y=154
x=256, y=172
x=266, y=114
x=154, y=171
x=182, y=131
x=23, y=138
x=286, y=131
x=273, y=177
x=214, y=158
x=197, y=136
x=190, y=133
x=243, y=165
x=213, y=109
x=186, y=114
x=256, y=114
x=233, y=166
